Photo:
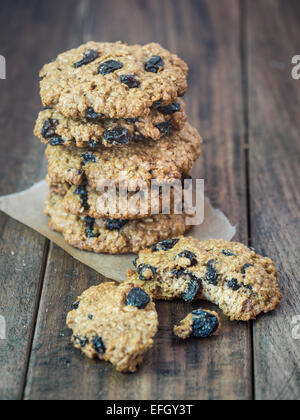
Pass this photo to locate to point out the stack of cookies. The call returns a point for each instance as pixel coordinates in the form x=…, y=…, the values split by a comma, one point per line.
x=113, y=114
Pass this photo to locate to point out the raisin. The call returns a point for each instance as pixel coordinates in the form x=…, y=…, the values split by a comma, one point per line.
x=211, y=273
x=178, y=273
x=156, y=105
x=164, y=128
x=115, y=224
x=130, y=80
x=165, y=245
x=138, y=137
x=192, y=289
x=80, y=341
x=146, y=272
x=75, y=305
x=204, y=324
x=109, y=67
x=90, y=224
x=187, y=255
x=155, y=64
x=90, y=317
x=169, y=109
x=90, y=114
x=56, y=141
x=248, y=287
x=228, y=253
x=82, y=192
x=91, y=234
x=245, y=268
x=134, y=262
x=98, y=345
x=49, y=127
x=89, y=57
x=137, y=297
x=92, y=143
x=117, y=135
x=81, y=189
x=132, y=120
x=88, y=157
x=233, y=284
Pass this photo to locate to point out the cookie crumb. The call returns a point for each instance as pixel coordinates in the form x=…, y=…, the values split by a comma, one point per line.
x=200, y=323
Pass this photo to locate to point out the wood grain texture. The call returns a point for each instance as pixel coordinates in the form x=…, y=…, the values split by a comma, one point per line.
x=274, y=114
x=219, y=368
x=26, y=45
x=21, y=159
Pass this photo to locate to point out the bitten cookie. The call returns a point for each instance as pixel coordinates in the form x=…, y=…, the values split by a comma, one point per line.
x=114, y=323
x=113, y=79
x=229, y=274
x=111, y=236
x=200, y=323
x=54, y=129
x=170, y=158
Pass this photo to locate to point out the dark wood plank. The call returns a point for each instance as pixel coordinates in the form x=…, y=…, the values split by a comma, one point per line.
x=27, y=39
x=217, y=368
x=274, y=111
x=21, y=250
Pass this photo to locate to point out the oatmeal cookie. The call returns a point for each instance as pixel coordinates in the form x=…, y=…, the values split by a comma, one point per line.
x=111, y=236
x=200, y=323
x=60, y=189
x=55, y=129
x=85, y=201
x=112, y=79
x=114, y=323
x=169, y=159
x=242, y=283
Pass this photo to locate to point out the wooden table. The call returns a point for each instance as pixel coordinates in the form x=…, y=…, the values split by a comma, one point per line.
x=245, y=103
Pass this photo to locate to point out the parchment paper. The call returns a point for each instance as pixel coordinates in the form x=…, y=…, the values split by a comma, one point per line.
x=27, y=207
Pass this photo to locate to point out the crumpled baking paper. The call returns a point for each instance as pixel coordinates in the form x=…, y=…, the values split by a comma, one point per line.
x=28, y=208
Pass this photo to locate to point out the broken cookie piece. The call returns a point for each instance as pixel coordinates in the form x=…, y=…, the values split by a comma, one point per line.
x=229, y=274
x=114, y=323
x=200, y=323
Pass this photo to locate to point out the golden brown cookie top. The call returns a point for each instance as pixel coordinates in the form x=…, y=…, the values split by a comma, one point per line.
x=114, y=323
x=229, y=274
x=55, y=129
x=113, y=79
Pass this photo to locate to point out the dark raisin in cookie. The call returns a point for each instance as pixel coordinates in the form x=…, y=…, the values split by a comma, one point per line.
x=89, y=57
x=137, y=297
